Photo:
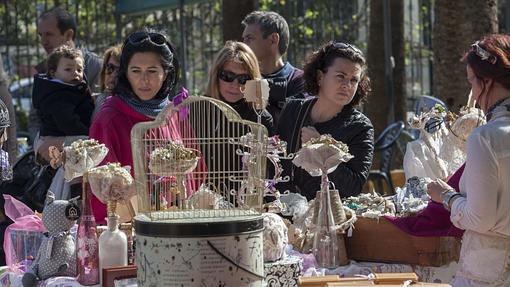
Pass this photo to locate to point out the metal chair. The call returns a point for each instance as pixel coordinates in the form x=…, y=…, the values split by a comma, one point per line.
x=384, y=145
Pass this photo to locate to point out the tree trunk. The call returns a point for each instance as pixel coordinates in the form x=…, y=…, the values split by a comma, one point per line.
x=453, y=35
x=234, y=12
x=378, y=103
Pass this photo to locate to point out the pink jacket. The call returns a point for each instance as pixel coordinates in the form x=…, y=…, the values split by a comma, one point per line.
x=112, y=126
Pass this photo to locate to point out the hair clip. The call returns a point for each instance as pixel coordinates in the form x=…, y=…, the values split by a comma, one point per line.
x=483, y=54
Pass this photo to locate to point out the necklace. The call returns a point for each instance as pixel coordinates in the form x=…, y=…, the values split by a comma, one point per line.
x=493, y=107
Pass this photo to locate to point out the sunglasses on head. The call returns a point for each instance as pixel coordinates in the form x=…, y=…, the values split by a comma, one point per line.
x=111, y=68
x=229, y=77
x=347, y=46
x=155, y=38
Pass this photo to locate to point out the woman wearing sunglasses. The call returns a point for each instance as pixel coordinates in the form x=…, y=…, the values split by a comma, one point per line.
x=336, y=74
x=108, y=75
x=235, y=64
x=147, y=77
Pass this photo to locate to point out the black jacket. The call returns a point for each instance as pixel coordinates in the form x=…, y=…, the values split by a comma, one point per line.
x=245, y=110
x=349, y=126
x=64, y=109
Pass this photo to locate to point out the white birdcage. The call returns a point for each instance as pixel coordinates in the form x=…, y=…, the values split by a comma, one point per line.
x=192, y=161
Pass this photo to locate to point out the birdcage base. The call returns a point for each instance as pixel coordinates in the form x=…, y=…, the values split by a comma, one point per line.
x=200, y=252
x=200, y=214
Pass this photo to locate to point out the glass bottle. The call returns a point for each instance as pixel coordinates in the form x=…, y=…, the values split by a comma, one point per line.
x=112, y=245
x=87, y=257
x=325, y=243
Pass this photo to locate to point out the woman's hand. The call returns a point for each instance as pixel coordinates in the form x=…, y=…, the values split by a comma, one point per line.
x=436, y=189
x=308, y=133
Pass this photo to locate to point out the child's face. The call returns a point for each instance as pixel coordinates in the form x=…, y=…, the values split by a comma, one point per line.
x=69, y=70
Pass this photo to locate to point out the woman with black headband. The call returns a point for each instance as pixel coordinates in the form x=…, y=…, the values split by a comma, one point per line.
x=336, y=74
x=480, y=204
x=146, y=80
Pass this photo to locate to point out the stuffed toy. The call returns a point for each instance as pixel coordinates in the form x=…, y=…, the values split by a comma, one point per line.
x=57, y=254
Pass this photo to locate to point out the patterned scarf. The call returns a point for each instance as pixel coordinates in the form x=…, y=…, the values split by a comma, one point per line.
x=150, y=108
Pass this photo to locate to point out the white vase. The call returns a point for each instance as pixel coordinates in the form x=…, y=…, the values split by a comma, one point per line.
x=112, y=246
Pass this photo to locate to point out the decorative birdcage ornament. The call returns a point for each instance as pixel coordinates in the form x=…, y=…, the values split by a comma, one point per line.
x=194, y=146
x=196, y=202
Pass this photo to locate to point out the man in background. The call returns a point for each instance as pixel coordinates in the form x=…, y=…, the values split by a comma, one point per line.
x=57, y=27
x=267, y=34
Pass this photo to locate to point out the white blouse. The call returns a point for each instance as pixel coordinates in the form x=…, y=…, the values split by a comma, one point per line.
x=486, y=179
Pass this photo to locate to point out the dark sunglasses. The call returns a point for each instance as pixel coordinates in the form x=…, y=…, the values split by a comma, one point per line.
x=137, y=38
x=111, y=68
x=229, y=77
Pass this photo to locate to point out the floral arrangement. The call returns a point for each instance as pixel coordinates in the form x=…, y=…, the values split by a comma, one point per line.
x=111, y=183
x=173, y=158
x=81, y=156
x=322, y=155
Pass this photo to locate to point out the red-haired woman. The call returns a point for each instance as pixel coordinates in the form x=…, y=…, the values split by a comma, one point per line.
x=482, y=207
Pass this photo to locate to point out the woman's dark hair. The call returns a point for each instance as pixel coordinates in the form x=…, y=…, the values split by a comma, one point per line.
x=323, y=58
x=149, y=41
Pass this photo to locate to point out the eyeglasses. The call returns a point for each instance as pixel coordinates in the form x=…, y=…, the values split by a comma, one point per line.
x=111, y=68
x=155, y=38
x=229, y=77
x=483, y=54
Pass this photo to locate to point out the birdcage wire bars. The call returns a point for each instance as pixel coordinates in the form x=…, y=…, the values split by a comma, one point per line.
x=229, y=172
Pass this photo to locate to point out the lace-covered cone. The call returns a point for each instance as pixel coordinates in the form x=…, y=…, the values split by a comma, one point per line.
x=275, y=237
x=111, y=183
x=81, y=156
x=173, y=159
x=320, y=156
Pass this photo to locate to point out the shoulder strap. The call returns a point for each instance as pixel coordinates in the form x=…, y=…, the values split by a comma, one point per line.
x=303, y=111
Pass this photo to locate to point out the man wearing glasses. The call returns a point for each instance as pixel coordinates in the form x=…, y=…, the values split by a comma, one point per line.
x=267, y=34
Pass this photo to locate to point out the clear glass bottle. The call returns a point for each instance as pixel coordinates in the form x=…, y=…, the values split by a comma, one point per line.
x=112, y=245
x=87, y=254
x=325, y=243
